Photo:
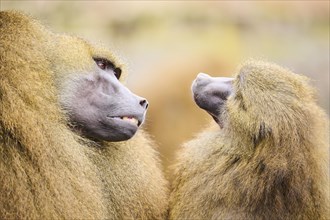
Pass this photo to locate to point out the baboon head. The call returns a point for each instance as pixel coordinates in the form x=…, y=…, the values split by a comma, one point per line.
x=263, y=98
x=88, y=78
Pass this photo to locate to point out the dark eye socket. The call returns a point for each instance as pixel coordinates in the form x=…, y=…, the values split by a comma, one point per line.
x=117, y=72
x=105, y=64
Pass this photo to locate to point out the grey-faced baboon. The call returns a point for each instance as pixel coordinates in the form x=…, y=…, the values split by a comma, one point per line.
x=67, y=149
x=267, y=159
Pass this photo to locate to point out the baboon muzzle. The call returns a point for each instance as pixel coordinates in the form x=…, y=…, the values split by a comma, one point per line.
x=211, y=93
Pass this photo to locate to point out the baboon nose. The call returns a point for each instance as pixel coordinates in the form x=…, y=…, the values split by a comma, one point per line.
x=144, y=103
x=201, y=80
x=202, y=76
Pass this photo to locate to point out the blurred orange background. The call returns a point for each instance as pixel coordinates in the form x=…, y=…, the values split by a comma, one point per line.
x=167, y=43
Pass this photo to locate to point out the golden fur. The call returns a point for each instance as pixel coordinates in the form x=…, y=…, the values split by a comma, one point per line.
x=47, y=170
x=271, y=159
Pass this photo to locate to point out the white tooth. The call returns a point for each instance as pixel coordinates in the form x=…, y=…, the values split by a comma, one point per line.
x=132, y=120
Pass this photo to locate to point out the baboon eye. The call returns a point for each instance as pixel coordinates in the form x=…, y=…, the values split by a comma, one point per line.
x=105, y=64
x=101, y=64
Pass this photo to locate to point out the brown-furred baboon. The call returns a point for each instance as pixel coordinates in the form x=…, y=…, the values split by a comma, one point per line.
x=266, y=159
x=67, y=149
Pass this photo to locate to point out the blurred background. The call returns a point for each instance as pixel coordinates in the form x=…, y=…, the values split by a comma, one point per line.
x=165, y=44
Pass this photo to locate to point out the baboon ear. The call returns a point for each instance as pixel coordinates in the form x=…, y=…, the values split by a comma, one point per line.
x=264, y=131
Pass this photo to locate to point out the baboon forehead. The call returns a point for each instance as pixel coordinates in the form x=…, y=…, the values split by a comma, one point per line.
x=76, y=54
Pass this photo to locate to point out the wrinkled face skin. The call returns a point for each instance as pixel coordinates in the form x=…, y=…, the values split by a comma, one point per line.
x=100, y=107
x=211, y=93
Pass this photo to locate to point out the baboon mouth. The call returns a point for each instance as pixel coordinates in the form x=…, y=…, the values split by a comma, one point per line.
x=216, y=119
x=129, y=119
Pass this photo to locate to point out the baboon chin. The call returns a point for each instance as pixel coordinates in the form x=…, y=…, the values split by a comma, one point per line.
x=71, y=146
x=268, y=159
